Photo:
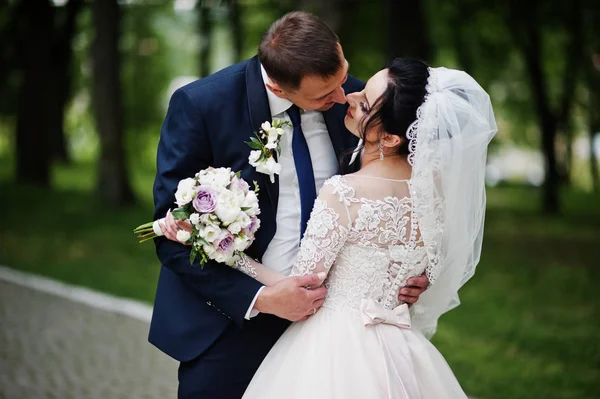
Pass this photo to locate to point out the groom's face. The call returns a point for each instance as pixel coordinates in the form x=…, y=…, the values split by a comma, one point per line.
x=316, y=92
x=319, y=93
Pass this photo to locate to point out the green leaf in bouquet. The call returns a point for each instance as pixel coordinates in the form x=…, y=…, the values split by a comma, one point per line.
x=256, y=188
x=238, y=174
x=181, y=213
x=193, y=254
x=203, y=260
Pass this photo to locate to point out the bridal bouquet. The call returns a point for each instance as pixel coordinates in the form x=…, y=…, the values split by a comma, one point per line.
x=222, y=211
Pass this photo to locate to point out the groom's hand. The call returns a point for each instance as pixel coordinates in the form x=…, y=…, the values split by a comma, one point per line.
x=290, y=299
x=414, y=288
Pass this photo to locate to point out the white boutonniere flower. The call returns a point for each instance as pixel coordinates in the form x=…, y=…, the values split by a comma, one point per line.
x=265, y=145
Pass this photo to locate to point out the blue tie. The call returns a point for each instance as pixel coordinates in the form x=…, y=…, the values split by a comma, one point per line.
x=304, y=170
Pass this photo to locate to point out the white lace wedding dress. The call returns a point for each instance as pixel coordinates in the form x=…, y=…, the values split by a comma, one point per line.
x=363, y=231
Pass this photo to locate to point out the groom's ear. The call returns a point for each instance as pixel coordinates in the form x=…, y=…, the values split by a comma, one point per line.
x=275, y=89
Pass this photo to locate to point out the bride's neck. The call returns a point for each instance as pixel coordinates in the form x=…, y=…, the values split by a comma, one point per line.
x=392, y=165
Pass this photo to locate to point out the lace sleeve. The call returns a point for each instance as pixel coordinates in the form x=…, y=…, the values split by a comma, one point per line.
x=257, y=271
x=327, y=229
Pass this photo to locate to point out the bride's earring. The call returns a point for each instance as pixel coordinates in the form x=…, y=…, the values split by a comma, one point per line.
x=380, y=151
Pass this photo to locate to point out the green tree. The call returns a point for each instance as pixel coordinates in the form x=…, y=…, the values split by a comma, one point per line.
x=32, y=139
x=113, y=179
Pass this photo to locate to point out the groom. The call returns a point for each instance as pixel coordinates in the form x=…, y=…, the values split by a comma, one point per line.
x=216, y=321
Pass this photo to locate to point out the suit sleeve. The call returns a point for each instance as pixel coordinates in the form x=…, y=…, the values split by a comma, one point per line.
x=183, y=150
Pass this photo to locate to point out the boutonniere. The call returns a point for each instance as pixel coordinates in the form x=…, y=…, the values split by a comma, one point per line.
x=265, y=145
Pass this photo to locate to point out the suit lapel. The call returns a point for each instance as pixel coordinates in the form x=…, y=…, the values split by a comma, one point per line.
x=258, y=105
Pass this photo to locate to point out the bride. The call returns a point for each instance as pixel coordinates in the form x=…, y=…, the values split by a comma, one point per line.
x=416, y=205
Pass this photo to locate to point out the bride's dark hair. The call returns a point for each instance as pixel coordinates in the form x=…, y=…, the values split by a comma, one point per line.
x=395, y=110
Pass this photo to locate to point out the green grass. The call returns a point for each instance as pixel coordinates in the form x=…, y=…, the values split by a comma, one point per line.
x=528, y=326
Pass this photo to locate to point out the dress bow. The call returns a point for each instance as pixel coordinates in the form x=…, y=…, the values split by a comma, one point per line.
x=373, y=313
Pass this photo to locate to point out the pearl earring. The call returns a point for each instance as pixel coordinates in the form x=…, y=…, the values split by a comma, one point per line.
x=380, y=151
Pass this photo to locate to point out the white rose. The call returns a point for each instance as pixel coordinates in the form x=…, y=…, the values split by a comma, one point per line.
x=239, y=195
x=183, y=236
x=240, y=244
x=231, y=261
x=244, y=220
x=228, y=207
x=209, y=250
x=250, y=201
x=209, y=218
x=222, y=177
x=195, y=218
x=206, y=178
x=220, y=257
x=266, y=126
x=186, y=191
x=234, y=227
x=254, y=156
x=271, y=145
x=210, y=232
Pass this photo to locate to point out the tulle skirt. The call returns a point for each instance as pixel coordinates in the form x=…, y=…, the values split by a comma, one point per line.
x=333, y=355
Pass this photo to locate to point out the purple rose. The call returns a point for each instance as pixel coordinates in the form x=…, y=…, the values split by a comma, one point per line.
x=206, y=200
x=226, y=243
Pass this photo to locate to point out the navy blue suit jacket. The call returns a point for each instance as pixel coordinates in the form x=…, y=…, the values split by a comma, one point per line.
x=207, y=124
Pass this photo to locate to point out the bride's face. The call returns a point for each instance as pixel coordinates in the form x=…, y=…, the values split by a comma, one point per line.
x=361, y=103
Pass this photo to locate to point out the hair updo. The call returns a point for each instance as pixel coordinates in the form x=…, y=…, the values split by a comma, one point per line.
x=396, y=109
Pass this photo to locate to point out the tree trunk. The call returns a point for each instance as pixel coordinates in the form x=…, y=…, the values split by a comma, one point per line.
x=205, y=21
x=236, y=29
x=33, y=157
x=594, y=128
x=113, y=181
x=594, y=122
x=574, y=59
x=9, y=51
x=547, y=121
x=61, y=82
x=408, y=30
x=527, y=38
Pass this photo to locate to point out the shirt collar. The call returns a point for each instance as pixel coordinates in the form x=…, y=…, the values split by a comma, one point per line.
x=277, y=105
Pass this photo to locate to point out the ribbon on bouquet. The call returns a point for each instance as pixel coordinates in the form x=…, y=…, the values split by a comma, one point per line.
x=373, y=313
x=156, y=227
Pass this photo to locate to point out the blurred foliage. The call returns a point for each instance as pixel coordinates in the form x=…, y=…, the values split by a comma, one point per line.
x=161, y=43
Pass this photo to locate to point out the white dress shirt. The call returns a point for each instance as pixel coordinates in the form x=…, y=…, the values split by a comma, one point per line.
x=282, y=251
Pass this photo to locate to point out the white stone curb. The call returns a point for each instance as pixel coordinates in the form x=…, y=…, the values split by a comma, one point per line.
x=127, y=307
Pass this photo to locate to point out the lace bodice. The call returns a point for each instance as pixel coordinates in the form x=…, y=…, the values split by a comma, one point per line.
x=364, y=233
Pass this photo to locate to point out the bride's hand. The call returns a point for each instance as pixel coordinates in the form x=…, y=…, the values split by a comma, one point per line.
x=415, y=287
x=170, y=227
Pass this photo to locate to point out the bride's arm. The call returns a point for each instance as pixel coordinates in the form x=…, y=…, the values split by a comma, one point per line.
x=325, y=235
x=257, y=270
x=327, y=230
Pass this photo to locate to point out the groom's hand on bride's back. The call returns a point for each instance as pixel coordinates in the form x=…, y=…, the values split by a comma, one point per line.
x=414, y=288
x=291, y=299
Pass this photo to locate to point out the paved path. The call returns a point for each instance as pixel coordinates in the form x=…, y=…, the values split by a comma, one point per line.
x=54, y=347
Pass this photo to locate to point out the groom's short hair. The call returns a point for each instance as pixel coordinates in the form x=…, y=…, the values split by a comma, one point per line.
x=297, y=45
